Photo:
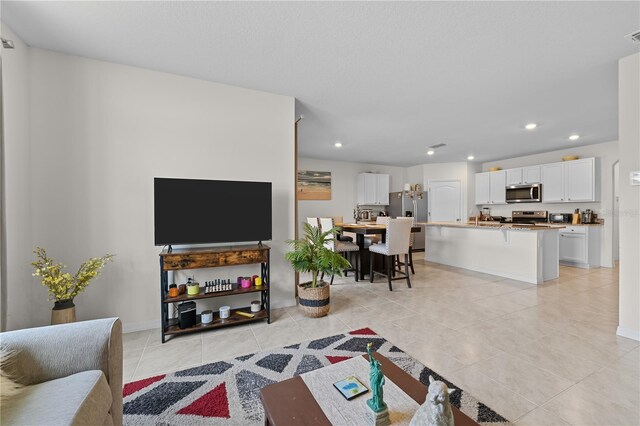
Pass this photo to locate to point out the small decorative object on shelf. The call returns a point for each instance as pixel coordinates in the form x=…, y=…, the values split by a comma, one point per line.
x=63, y=287
x=256, y=306
x=224, y=311
x=193, y=288
x=173, y=291
x=436, y=410
x=376, y=381
x=207, y=317
x=217, y=286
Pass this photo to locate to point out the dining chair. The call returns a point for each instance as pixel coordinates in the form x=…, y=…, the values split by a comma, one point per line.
x=396, y=243
x=342, y=236
x=376, y=238
x=411, y=241
x=343, y=247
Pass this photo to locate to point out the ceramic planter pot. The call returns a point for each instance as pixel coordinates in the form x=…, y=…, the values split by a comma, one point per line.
x=64, y=311
x=314, y=302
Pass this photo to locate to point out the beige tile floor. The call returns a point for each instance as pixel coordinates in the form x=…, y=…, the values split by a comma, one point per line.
x=539, y=355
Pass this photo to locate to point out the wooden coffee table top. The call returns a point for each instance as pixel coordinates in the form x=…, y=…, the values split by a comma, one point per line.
x=291, y=402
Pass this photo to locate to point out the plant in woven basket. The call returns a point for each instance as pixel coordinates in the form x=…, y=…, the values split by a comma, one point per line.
x=62, y=285
x=311, y=255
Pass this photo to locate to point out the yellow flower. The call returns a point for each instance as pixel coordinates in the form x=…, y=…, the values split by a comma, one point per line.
x=64, y=286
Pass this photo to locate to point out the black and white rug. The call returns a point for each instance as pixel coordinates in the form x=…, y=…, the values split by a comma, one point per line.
x=227, y=392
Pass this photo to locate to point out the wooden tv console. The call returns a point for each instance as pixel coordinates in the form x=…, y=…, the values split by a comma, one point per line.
x=214, y=257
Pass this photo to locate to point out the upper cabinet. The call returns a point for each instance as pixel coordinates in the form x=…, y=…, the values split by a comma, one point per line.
x=531, y=175
x=490, y=187
x=580, y=181
x=514, y=176
x=566, y=182
x=523, y=175
x=553, y=183
x=483, y=188
x=570, y=181
x=373, y=189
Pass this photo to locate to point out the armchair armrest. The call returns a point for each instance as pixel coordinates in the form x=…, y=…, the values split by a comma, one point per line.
x=47, y=353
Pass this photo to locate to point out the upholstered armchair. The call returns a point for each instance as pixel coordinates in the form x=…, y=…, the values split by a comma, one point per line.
x=72, y=374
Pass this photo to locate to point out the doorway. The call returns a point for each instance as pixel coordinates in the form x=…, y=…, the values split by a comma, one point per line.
x=445, y=201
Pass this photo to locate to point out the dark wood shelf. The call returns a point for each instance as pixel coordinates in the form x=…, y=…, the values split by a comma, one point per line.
x=218, y=322
x=202, y=295
x=213, y=257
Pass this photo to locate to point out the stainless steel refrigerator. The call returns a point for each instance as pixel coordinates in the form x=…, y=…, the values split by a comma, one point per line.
x=410, y=204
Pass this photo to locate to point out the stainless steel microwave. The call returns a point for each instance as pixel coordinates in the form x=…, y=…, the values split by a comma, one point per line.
x=524, y=193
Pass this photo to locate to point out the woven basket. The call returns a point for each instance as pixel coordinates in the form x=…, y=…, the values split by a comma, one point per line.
x=314, y=302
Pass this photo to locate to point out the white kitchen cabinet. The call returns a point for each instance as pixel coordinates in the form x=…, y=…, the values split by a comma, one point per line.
x=373, y=189
x=569, y=181
x=580, y=246
x=490, y=187
x=483, y=189
x=514, y=176
x=531, y=174
x=579, y=180
x=553, y=183
x=523, y=175
x=383, y=189
x=498, y=187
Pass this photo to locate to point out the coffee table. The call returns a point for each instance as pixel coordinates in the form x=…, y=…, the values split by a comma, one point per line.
x=291, y=402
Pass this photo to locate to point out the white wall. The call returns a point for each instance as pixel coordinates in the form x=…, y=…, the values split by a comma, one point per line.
x=99, y=133
x=629, y=134
x=19, y=298
x=344, y=193
x=607, y=153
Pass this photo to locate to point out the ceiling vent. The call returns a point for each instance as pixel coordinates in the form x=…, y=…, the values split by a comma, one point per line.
x=634, y=37
x=440, y=145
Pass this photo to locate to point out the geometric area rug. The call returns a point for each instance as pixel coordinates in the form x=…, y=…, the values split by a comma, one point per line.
x=227, y=392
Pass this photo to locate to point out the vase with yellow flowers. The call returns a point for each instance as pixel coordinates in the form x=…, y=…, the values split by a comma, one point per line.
x=64, y=287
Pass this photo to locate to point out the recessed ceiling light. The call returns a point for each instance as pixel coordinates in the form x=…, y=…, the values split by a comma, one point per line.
x=574, y=137
x=338, y=144
x=531, y=126
x=471, y=157
x=431, y=152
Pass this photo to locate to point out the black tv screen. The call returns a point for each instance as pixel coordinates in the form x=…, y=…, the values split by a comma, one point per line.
x=194, y=211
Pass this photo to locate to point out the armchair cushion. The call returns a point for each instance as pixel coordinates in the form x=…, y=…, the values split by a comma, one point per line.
x=79, y=399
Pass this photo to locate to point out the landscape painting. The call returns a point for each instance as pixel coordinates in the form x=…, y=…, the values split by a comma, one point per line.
x=314, y=185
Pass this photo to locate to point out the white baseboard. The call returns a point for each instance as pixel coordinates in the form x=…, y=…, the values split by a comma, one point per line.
x=629, y=333
x=130, y=327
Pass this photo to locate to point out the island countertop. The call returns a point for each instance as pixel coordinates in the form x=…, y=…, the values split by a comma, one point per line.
x=497, y=225
x=524, y=253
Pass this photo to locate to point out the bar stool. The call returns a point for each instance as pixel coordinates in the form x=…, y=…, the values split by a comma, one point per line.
x=344, y=247
x=396, y=243
x=411, y=240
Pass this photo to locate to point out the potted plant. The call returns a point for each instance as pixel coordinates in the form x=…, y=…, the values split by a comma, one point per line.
x=311, y=255
x=63, y=287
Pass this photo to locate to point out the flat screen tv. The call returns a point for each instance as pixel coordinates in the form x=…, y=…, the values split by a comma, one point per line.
x=194, y=211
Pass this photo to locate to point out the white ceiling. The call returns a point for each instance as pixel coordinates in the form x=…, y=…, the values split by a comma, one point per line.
x=388, y=79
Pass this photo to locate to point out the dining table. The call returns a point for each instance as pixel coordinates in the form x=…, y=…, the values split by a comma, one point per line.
x=362, y=229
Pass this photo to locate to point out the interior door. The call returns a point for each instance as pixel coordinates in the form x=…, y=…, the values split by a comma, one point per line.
x=445, y=201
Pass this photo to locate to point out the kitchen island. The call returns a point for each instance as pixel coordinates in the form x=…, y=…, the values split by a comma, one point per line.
x=521, y=252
